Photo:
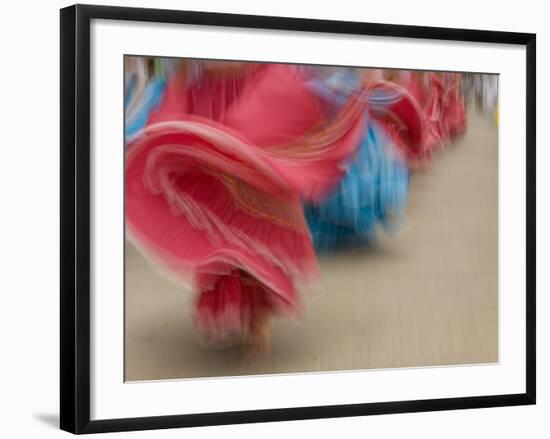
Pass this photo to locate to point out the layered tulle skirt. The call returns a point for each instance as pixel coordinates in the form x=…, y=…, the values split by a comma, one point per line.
x=237, y=172
x=372, y=193
x=213, y=199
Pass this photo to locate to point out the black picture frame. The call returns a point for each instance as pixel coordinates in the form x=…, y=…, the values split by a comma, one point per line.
x=75, y=217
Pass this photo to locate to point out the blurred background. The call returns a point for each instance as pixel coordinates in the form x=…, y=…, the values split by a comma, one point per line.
x=416, y=286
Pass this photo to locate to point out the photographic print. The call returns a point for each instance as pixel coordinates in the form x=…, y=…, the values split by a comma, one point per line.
x=305, y=218
x=287, y=218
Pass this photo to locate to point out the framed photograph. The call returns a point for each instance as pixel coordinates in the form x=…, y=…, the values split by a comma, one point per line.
x=275, y=218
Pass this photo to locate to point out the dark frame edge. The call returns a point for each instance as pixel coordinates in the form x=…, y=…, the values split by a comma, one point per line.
x=75, y=220
x=531, y=215
x=67, y=346
x=303, y=24
x=304, y=413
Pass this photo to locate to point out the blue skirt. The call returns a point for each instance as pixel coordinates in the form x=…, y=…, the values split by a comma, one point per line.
x=373, y=190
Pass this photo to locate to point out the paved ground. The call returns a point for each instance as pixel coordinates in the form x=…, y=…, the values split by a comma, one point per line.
x=426, y=295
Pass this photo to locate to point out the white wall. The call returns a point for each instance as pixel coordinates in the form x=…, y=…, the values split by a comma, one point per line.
x=29, y=237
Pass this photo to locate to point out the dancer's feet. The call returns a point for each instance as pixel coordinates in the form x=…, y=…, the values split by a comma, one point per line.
x=259, y=341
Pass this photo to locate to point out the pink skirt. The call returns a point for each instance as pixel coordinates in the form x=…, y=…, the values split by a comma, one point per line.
x=214, y=200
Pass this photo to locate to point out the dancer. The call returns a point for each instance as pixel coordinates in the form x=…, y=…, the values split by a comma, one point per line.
x=214, y=185
x=373, y=191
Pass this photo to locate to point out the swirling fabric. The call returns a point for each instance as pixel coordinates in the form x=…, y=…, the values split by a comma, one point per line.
x=236, y=171
x=373, y=191
x=214, y=186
